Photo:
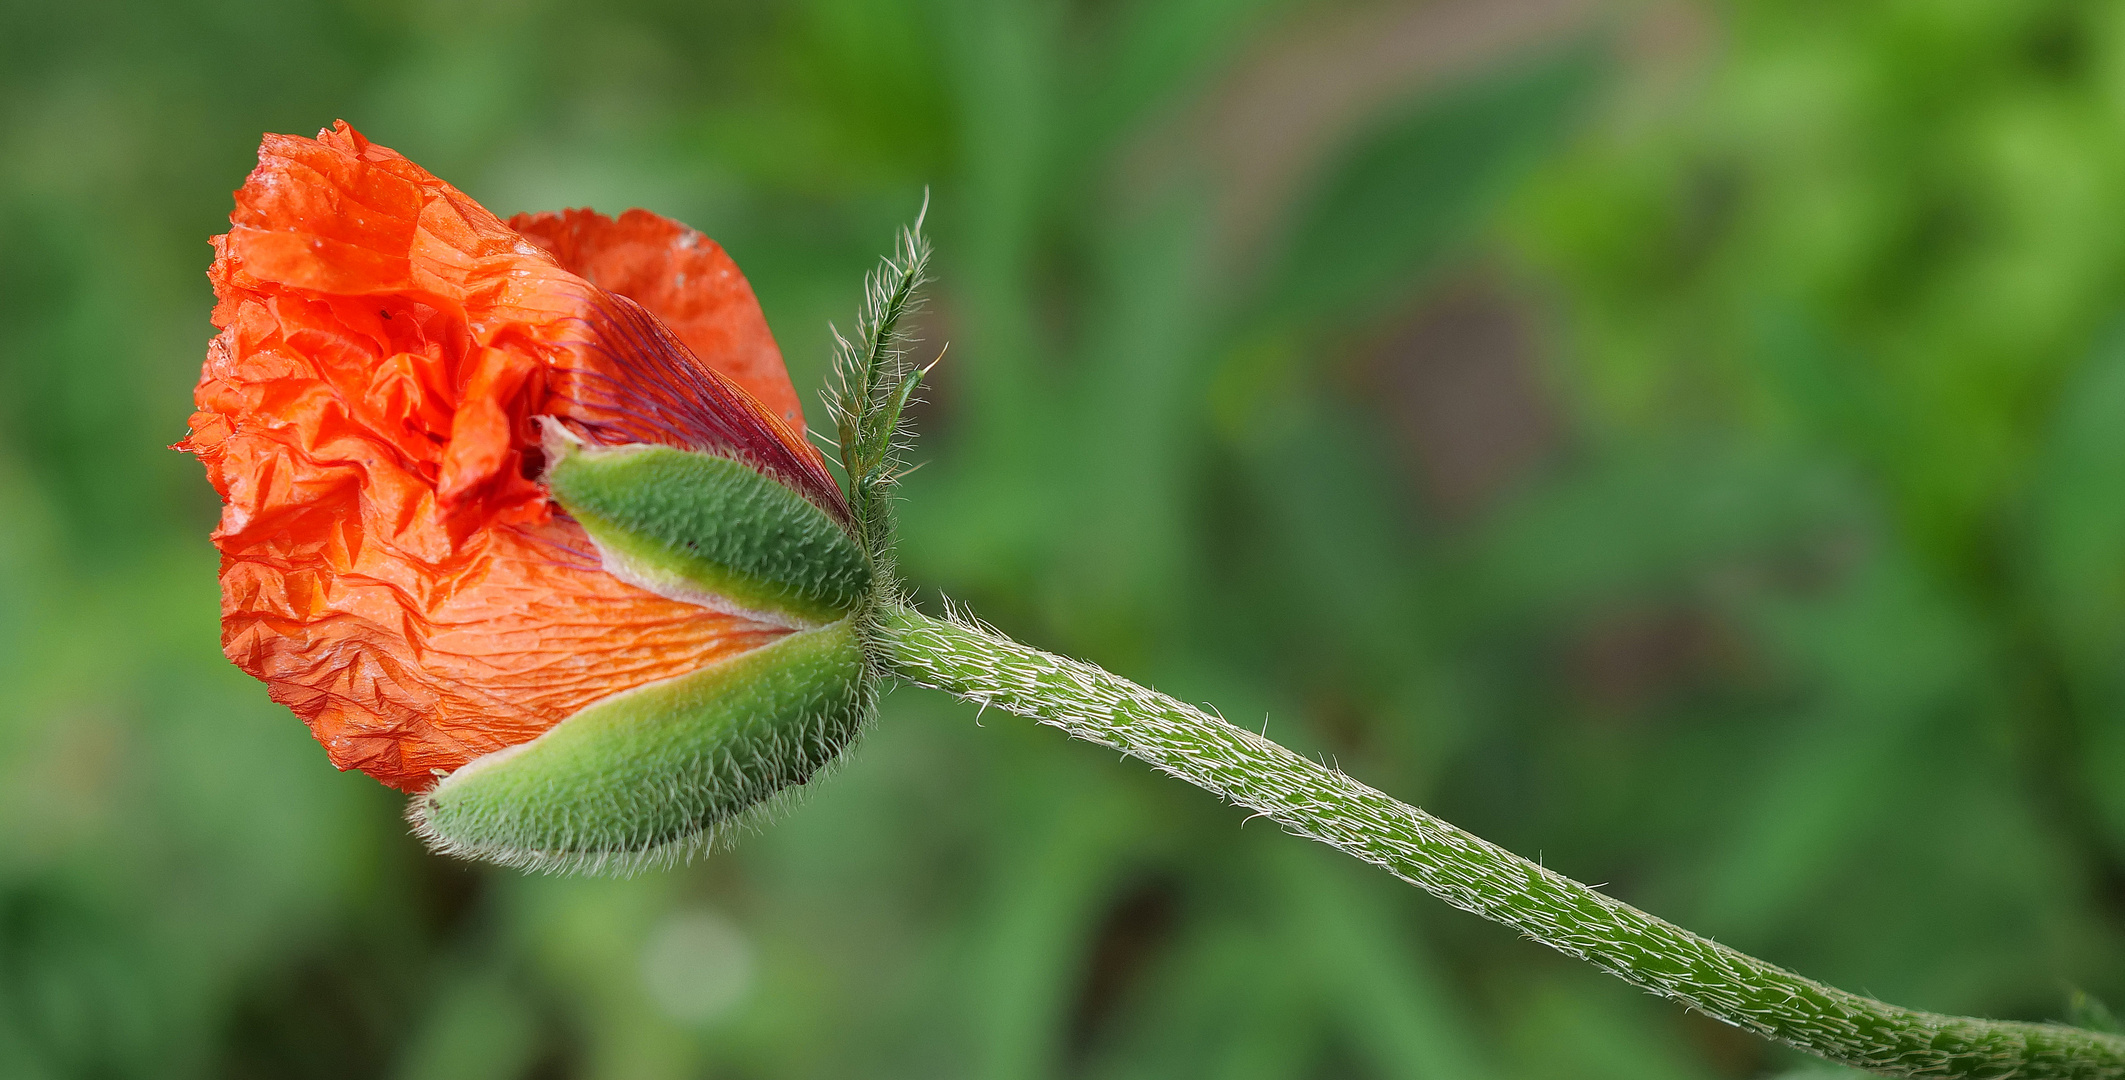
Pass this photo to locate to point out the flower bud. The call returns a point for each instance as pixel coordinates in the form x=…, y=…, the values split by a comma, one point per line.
x=519, y=517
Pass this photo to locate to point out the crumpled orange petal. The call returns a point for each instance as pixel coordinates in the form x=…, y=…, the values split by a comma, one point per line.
x=390, y=566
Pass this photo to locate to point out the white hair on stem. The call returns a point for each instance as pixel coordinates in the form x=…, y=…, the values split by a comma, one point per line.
x=963, y=656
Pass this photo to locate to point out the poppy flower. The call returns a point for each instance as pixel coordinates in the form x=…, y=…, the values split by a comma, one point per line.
x=519, y=517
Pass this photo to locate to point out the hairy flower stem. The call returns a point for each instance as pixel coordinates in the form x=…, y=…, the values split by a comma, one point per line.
x=1312, y=800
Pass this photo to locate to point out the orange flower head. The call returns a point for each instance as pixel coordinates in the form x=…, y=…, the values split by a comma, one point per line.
x=375, y=414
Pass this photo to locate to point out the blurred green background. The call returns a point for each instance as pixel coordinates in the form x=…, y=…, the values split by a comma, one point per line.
x=1681, y=441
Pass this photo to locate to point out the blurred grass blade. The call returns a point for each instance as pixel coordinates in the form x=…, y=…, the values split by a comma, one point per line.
x=1419, y=180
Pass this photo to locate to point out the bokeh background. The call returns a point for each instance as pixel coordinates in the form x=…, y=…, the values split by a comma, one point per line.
x=1682, y=441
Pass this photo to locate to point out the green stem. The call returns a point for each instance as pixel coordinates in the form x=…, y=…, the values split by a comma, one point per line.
x=1471, y=873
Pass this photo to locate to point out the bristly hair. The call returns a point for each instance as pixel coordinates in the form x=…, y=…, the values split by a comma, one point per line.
x=873, y=384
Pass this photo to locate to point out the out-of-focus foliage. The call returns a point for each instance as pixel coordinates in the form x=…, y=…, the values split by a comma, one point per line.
x=1687, y=443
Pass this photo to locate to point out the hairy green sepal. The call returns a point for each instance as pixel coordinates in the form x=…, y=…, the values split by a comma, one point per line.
x=658, y=772
x=709, y=530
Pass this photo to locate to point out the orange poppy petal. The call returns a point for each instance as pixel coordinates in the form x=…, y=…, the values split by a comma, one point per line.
x=390, y=566
x=407, y=677
x=684, y=279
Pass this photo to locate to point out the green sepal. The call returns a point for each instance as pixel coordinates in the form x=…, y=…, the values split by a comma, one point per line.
x=658, y=772
x=709, y=530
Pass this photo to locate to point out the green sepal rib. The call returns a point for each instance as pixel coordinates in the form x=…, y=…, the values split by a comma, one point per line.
x=657, y=773
x=706, y=529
